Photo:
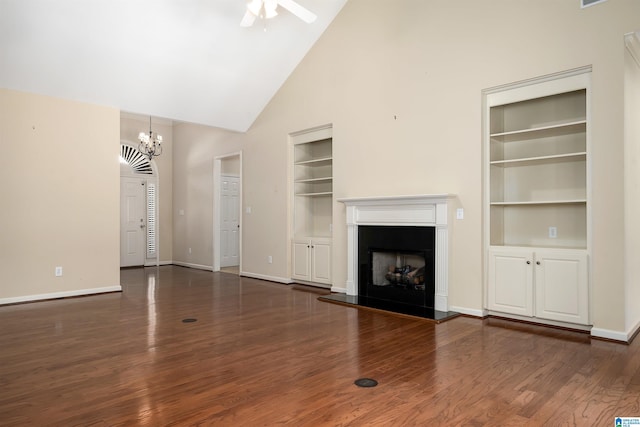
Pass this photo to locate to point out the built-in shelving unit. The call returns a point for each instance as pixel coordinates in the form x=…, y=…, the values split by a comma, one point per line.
x=537, y=160
x=313, y=166
x=537, y=197
x=312, y=205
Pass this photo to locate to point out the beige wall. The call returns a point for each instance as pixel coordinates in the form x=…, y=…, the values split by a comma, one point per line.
x=130, y=128
x=59, y=175
x=632, y=188
x=401, y=82
x=196, y=147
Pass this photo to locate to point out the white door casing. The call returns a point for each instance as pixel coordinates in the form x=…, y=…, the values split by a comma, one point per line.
x=132, y=222
x=229, y=221
x=217, y=207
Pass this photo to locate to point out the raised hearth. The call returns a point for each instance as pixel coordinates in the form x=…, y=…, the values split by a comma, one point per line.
x=377, y=304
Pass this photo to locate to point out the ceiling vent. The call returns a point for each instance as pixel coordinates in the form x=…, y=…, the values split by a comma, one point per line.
x=587, y=3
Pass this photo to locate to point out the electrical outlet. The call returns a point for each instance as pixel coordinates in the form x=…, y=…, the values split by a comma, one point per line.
x=270, y=259
x=553, y=232
x=189, y=250
x=58, y=271
x=459, y=213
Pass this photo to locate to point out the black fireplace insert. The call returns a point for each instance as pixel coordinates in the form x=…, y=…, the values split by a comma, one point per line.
x=397, y=264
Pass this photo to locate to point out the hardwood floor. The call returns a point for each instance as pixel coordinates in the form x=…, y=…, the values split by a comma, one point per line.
x=264, y=354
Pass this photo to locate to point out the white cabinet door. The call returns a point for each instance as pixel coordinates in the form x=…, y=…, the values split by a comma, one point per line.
x=510, y=287
x=561, y=286
x=320, y=261
x=301, y=268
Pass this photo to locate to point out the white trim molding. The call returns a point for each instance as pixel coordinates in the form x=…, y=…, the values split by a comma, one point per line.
x=276, y=279
x=58, y=295
x=191, y=265
x=469, y=311
x=610, y=335
x=632, y=42
x=422, y=210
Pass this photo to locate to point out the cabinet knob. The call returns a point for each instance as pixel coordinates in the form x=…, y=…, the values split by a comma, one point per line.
x=528, y=262
x=538, y=262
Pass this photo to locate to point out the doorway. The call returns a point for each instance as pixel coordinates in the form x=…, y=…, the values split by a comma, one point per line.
x=229, y=220
x=227, y=230
x=132, y=222
x=138, y=208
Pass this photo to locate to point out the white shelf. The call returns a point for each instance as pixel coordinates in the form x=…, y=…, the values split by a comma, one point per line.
x=317, y=180
x=541, y=202
x=325, y=161
x=529, y=161
x=541, y=131
x=323, y=193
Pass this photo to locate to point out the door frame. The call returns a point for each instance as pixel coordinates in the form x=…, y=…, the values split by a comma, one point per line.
x=217, y=196
x=154, y=178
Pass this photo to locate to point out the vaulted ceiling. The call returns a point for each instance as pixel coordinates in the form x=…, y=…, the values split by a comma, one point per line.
x=186, y=60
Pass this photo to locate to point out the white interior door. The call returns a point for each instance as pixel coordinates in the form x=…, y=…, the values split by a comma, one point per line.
x=229, y=221
x=132, y=222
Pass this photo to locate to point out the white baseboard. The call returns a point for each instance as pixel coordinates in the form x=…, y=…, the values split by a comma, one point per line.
x=153, y=263
x=610, y=335
x=64, y=294
x=191, y=265
x=338, y=290
x=633, y=331
x=469, y=311
x=276, y=279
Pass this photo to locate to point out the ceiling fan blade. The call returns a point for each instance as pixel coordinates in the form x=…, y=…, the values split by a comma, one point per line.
x=248, y=19
x=299, y=11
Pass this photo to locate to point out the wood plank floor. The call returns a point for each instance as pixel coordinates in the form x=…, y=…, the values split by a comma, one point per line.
x=264, y=354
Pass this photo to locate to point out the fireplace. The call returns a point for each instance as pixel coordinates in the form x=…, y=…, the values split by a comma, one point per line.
x=397, y=264
x=416, y=214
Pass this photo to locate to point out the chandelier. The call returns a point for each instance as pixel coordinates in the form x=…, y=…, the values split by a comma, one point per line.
x=150, y=144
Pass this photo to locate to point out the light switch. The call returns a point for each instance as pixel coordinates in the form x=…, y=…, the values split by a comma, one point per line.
x=460, y=213
x=248, y=210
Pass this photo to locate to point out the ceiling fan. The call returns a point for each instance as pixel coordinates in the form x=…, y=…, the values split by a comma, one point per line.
x=266, y=9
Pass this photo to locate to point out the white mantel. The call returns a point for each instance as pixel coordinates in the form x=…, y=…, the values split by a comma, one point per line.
x=426, y=210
